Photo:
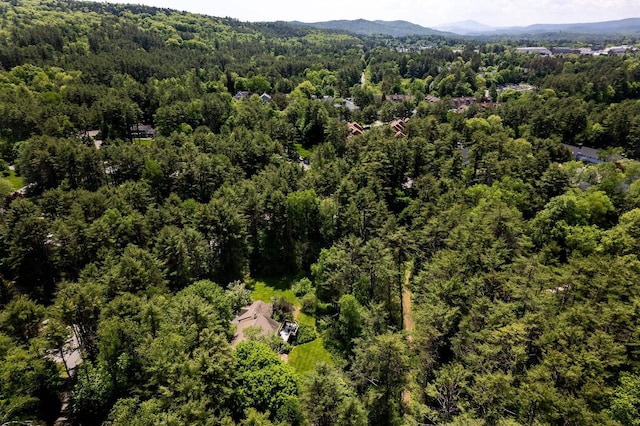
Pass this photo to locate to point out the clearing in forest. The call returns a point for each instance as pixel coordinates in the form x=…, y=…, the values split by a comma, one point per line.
x=302, y=357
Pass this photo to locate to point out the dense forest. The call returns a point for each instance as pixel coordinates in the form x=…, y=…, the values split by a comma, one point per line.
x=162, y=170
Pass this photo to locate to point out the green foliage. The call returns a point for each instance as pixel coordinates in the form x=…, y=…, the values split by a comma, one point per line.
x=265, y=383
x=29, y=383
x=30, y=258
x=350, y=322
x=624, y=405
x=224, y=227
x=282, y=310
x=238, y=295
x=521, y=264
x=302, y=287
x=306, y=334
x=184, y=255
x=130, y=411
x=309, y=303
x=136, y=271
x=329, y=398
x=302, y=151
x=6, y=188
x=21, y=319
x=255, y=418
x=93, y=393
x=379, y=372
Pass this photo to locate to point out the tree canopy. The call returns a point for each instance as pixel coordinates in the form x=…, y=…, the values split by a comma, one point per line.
x=415, y=200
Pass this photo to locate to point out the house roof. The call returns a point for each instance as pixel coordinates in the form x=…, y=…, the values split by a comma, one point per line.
x=243, y=94
x=584, y=153
x=258, y=314
x=399, y=126
x=143, y=130
x=355, y=129
x=348, y=103
x=539, y=50
x=399, y=98
x=463, y=101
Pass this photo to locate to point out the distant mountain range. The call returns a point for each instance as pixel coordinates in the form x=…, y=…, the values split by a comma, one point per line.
x=474, y=28
x=365, y=27
x=466, y=27
x=622, y=26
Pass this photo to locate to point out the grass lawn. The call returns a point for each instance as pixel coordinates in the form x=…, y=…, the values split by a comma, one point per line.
x=304, y=357
x=304, y=152
x=306, y=319
x=265, y=289
x=142, y=141
x=16, y=182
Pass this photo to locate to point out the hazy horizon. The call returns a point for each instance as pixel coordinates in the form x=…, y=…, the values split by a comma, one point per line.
x=428, y=13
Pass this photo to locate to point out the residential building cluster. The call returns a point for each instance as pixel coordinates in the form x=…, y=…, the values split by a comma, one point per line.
x=591, y=51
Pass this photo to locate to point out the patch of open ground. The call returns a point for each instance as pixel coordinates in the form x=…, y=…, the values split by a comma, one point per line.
x=16, y=182
x=302, y=357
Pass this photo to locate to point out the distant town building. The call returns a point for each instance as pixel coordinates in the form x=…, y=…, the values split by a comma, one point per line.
x=463, y=102
x=398, y=127
x=400, y=98
x=584, y=154
x=592, y=155
x=92, y=136
x=535, y=50
x=617, y=50
x=355, y=129
x=143, y=131
x=265, y=98
x=350, y=105
x=592, y=51
x=565, y=51
x=522, y=87
x=244, y=94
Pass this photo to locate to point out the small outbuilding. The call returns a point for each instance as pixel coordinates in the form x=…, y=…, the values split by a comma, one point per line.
x=287, y=330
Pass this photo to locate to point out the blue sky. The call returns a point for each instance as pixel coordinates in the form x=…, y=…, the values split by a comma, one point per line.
x=425, y=12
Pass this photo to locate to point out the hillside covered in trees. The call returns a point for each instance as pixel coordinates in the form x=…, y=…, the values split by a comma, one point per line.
x=411, y=202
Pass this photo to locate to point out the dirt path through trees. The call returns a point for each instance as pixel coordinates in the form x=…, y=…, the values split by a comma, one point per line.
x=408, y=326
x=406, y=303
